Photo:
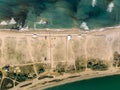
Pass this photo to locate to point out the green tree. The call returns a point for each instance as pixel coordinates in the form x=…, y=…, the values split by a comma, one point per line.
x=97, y=64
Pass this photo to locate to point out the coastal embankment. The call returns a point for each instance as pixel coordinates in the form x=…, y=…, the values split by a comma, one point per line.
x=69, y=78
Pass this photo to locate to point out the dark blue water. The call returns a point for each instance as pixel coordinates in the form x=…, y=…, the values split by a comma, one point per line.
x=103, y=83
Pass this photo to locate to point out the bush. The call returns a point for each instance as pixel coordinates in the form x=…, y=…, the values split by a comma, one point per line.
x=60, y=68
x=70, y=68
x=97, y=64
x=40, y=68
x=18, y=77
x=116, y=58
x=1, y=75
x=7, y=84
x=80, y=64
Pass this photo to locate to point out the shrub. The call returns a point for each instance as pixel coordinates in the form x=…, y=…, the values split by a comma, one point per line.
x=97, y=64
x=116, y=58
x=60, y=68
x=80, y=64
x=70, y=68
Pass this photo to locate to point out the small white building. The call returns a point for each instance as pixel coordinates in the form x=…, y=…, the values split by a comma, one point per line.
x=3, y=23
x=12, y=21
x=94, y=2
x=42, y=22
x=110, y=7
x=24, y=29
x=69, y=37
x=34, y=35
x=84, y=26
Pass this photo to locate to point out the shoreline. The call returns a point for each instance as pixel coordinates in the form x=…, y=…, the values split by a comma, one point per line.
x=77, y=77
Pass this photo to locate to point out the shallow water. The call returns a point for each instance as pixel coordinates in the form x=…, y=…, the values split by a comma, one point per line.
x=103, y=83
x=60, y=13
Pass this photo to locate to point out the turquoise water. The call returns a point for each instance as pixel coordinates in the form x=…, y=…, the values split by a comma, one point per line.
x=103, y=83
x=60, y=13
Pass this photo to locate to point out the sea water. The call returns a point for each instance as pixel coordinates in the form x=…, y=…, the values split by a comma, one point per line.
x=102, y=83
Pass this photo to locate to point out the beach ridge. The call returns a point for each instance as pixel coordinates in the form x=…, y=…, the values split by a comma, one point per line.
x=65, y=79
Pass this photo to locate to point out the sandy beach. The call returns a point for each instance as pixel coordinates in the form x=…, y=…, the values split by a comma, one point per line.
x=68, y=78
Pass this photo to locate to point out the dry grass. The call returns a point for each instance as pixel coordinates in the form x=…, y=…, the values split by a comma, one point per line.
x=59, y=54
x=39, y=49
x=16, y=48
x=27, y=69
x=10, y=49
